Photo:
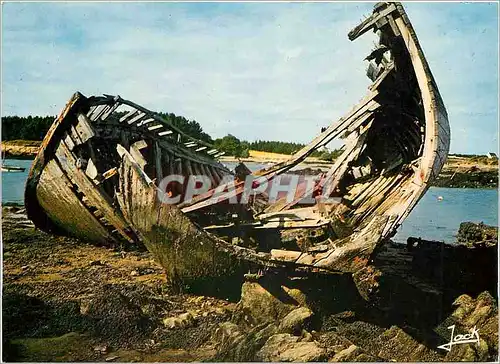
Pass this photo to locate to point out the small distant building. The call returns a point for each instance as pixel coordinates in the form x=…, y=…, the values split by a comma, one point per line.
x=492, y=155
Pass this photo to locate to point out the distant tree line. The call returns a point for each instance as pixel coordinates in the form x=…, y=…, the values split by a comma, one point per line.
x=276, y=147
x=240, y=148
x=35, y=128
x=190, y=127
x=26, y=128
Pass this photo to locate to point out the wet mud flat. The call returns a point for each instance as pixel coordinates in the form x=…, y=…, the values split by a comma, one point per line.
x=482, y=176
x=65, y=300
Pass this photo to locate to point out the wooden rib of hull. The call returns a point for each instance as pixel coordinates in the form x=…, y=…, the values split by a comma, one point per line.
x=98, y=174
x=73, y=180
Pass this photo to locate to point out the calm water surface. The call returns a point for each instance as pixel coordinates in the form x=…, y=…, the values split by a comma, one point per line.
x=431, y=219
x=13, y=182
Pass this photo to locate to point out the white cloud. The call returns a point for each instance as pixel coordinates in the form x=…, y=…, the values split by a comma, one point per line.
x=258, y=71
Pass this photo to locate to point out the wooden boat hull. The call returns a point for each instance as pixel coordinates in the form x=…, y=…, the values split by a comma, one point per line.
x=71, y=187
x=98, y=176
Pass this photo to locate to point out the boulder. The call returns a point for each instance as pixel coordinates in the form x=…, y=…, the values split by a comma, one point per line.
x=465, y=304
x=353, y=354
x=397, y=345
x=257, y=305
x=227, y=335
x=472, y=234
x=295, y=321
x=482, y=313
x=234, y=346
x=285, y=347
x=183, y=320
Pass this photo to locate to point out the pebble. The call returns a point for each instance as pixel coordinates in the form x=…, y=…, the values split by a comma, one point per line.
x=103, y=349
x=111, y=358
x=181, y=321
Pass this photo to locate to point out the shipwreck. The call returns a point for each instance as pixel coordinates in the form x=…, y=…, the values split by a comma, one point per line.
x=99, y=173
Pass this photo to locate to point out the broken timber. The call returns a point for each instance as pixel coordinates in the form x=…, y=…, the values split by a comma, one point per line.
x=101, y=164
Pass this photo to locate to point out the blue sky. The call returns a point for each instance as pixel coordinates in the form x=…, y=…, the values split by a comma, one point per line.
x=273, y=71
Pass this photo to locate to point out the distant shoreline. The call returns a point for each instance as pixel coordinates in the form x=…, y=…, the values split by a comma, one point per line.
x=458, y=172
x=20, y=149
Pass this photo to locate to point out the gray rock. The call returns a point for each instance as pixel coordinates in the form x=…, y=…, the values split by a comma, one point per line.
x=235, y=346
x=227, y=335
x=171, y=322
x=462, y=353
x=465, y=304
x=260, y=306
x=481, y=312
x=397, y=345
x=181, y=321
x=285, y=347
x=295, y=321
x=303, y=352
x=102, y=349
x=348, y=354
x=479, y=315
x=246, y=350
x=353, y=354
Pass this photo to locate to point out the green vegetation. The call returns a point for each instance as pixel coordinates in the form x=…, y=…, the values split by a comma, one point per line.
x=190, y=127
x=68, y=347
x=27, y=128
x=33, y=128
x=276, y=147
x=235, y=147
x=232, y=146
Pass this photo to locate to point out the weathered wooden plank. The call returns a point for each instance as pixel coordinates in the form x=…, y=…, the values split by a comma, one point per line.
x=69, y=142
x=158, y=161
x=124, y=138
x=108, y=112
x=135, y=151
x=110, y=173
x=128, y=115
x=368, y=23
x=366, y=192
x=91, y=170
x=97, y=197
x=74, y=136
x=214, y=178
x=155, y=127
x=285, y=255
x=188, y=169
x=67, y=211
x=136, y=118
x=145, y=121
x=96, y=112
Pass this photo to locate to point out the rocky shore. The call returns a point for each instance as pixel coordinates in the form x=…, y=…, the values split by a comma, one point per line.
x=471, y=177
x=65, y=300
x=20, y=149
